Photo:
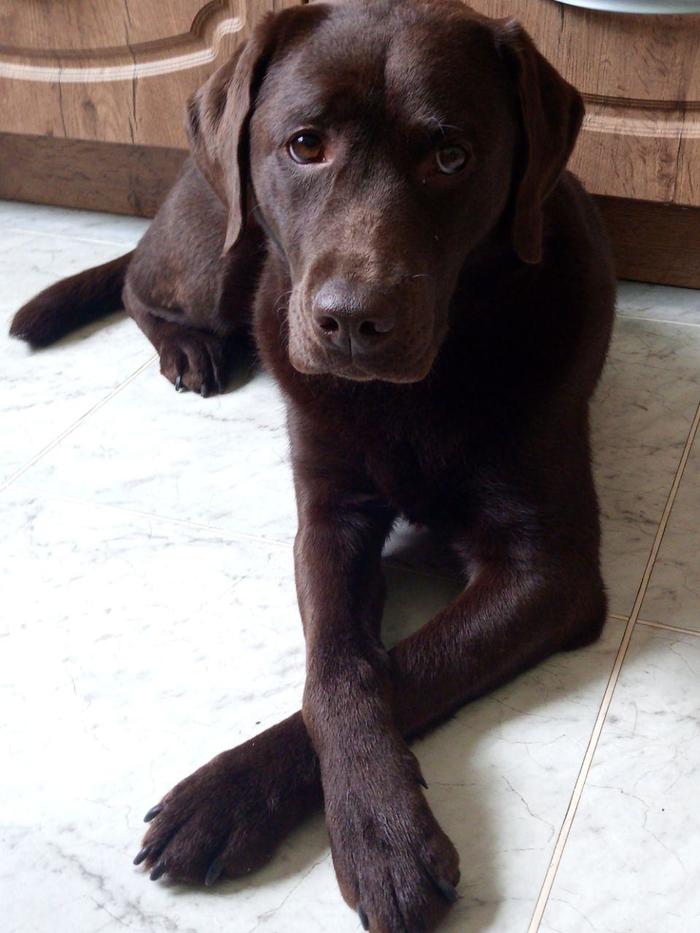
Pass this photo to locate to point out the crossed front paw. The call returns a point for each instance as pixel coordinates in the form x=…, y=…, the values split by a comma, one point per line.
x=394, y=863
x=227, y=818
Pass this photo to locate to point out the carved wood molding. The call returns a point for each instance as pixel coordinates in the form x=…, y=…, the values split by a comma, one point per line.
x=198, y=46
x=630, y=122
x=608, y=100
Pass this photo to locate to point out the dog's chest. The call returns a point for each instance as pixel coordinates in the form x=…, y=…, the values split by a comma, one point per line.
x=424, y=474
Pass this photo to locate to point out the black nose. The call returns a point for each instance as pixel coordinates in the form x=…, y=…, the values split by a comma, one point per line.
x=352, y=318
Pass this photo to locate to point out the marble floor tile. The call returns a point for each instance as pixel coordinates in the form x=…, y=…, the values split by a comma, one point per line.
x=221, y=461
x=641, y=417
x=61, y=221
x=673, y=594
x=142, y=647
x=632, y=860
x=45, y=391
x=122, y=679
x=659, y=303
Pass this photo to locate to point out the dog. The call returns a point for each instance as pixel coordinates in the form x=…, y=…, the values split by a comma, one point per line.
x=377, y=191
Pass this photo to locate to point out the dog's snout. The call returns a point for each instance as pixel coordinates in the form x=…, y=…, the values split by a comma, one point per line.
x=351, y=318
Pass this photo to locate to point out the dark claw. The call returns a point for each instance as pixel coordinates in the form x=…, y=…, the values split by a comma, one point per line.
x=204, y=391
x=159, y=870
x=142, y=856
x=447, y=890
x=363, y=918
x=153, y=813
x=178, y=384
x=214, y=872
x=422, y=781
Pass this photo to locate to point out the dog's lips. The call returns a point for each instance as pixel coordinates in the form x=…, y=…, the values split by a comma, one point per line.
x=354, y=372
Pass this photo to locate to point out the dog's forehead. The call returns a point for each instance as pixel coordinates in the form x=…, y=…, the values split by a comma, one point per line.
x=417, y=68
x=448, y=66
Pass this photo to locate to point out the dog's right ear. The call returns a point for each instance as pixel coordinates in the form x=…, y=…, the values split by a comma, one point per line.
x=218, y=113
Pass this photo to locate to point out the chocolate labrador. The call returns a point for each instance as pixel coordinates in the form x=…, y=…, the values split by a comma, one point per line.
x=378, y=190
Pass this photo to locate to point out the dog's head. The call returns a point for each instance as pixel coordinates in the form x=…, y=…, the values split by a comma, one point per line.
x=379, y=144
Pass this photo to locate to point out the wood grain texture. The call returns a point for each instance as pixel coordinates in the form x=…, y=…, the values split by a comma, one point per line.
x=640, y=78
x=124, y=179
x=115, y=71
x=657, y=243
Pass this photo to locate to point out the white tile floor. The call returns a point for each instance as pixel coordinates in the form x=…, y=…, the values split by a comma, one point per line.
x=149, y=620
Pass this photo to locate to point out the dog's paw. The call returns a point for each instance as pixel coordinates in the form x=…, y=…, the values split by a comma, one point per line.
x=395, y=865
x=227, y=818
x=195, y=361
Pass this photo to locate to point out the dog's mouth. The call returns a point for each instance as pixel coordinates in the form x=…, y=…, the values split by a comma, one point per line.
x=355, y=373
x=399, y=364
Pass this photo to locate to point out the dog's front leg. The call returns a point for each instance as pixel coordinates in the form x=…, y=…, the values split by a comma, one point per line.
x=393, y=862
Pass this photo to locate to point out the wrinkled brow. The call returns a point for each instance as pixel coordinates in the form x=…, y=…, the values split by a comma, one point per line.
x=434, y=129
x=347, y=106
x=344, y=104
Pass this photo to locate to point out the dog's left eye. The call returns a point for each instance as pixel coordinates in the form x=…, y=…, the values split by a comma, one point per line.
x=451, y=159
x=305, y=148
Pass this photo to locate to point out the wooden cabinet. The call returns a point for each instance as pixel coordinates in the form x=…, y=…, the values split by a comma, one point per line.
x=93, y=93
x=115, y=71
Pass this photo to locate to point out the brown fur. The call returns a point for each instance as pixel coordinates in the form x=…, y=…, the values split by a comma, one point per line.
x=465, y=408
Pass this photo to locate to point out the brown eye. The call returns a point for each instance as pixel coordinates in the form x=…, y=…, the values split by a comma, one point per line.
x=451, y=159
x=305, y=148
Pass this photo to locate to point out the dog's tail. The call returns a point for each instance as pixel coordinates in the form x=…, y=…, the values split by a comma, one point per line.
x=72, y=302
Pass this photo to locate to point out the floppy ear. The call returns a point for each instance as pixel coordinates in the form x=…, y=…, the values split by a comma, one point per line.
x=216, y=132
x=218, y=113
x=552, y=112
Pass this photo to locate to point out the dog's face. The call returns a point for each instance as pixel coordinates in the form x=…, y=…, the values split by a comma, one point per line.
x=378, y=161
x=379, y=142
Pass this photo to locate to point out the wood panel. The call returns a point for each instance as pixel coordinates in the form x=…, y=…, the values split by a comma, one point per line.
x=115, y=71
x=124, y=179
x=640, y=78
x=657, y=243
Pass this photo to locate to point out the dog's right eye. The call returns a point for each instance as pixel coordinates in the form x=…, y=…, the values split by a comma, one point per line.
x=305, y=148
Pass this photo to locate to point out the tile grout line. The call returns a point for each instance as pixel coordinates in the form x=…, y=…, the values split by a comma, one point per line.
x=550, y=876
x=72, y=427
x=228, y=535
x=62, y=234
x=669, y=628
x=656, y=320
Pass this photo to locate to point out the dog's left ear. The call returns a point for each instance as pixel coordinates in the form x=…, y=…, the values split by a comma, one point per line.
x=218, y=113
x=552, y=112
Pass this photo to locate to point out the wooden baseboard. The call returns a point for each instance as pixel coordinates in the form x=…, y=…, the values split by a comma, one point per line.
x=85, y=174
x=652, y=242
x=657, y=243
